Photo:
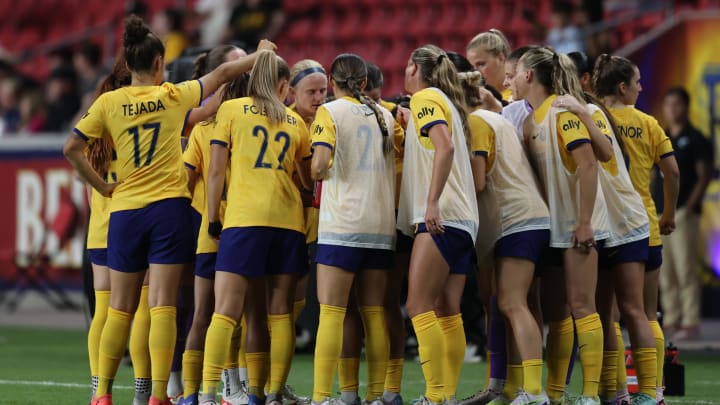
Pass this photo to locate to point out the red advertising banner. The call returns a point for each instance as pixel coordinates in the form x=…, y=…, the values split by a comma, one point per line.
x=43, y=213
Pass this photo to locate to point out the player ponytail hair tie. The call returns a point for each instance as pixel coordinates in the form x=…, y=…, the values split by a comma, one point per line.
x=304, y=73
x=440, y=58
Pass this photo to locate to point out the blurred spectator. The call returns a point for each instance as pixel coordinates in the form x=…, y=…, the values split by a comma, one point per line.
x=10, y=105
x=253, y=20
x=215, y=16
x=680, y=282
x=60, y=57
x=32, y=111
x=168, y=25
x=564, y=36
x=87, y=62
x=63, y=101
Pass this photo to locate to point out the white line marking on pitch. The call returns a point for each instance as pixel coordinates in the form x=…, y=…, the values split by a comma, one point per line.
x=58, y=384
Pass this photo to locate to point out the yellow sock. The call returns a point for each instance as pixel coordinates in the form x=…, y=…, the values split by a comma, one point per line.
x=282, y=348
x=431, y=346
x=514, y=380
x=242, y=361
x=258, y=365
x=102, y=302
x=560, y=341
x=659, y=351
x=163, y=332
x=621, y=370
x=328, y=346
x=377, y=348
x=298, y=307
x=231, y=362
x=393, y=375
x=532, y=376
x=608, y=376
x=645, y=361
x=590, y=344
x=192, y=371
x=216, y=344
x=112, y=348
x=488, y=370
x=454, y=342
x=139, y=346
x=348, y=369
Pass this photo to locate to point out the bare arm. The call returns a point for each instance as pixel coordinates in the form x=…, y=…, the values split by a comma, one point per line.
x=478, y=168
x=202, y=113
x=442, y=164
x=671, y=187
x=216, y=180
x=230, y=70
x=74, y=151
x=320, y=162
x=601, y=145
x=587, y=172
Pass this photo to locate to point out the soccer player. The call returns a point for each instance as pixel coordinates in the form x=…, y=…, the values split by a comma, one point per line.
x=517, y=238
x=99, y=153
x=353, y=156
x=562, y=151
x=197, y=162
x=617, y=82
x=262, y=235
x=149, y=224
x=437, y=205
x=487, y=51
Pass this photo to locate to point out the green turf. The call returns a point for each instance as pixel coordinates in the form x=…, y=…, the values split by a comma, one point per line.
x=29, y=356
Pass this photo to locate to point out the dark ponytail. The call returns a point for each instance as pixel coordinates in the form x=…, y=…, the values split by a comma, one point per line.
x=609, y=72
x=141, y=45
x=209, y=61
x=348, y=71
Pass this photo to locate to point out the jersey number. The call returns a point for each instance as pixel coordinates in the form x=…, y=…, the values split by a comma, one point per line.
x=280, y=136
x=135, y=132
x=365, y=132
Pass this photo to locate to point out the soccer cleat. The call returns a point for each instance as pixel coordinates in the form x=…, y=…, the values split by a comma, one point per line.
x=102, y=400
x=583, y=400
x=209, y=401
x=481, y=397
x=191, y=399
x=289, y=397
x=273, y=399
x=340, y=401
x=141, y=399
x=499, y=400
x=166, y=401
x=326, y=401
x=643, y=399
x=255, y=400
x=525, y=398
x=423, y=400
x=397, y=400
x=236, y=398
x=173, y=400
x=376, y=401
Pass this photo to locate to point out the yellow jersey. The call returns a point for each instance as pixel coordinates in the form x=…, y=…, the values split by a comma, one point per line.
x=398, y=145
x=197, y=159
x=261, y=191
x=506, y=94
x=570, y=129
x=99, y=213
x=645, y=144
x=145, y=123
x=429, y=108
x=312, y=214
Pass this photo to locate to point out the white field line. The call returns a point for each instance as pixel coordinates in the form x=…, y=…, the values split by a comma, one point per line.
x=58, y=384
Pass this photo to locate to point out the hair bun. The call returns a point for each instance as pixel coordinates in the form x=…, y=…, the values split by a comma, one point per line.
x=135, y=31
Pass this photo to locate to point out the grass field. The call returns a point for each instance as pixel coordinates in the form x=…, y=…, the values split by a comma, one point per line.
x=49, y=366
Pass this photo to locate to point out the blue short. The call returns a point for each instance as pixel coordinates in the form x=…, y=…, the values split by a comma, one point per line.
x=256, y=251
x=160, y=233
x=628, y=253
x=456, y=247
x=196, y=222
x=205, y=265
x=354, y=258
x=654, y=260
x=98, y=257
x=528, y=245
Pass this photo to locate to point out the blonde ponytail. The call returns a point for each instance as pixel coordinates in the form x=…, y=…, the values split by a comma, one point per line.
x=557, y=73
x=263, y=84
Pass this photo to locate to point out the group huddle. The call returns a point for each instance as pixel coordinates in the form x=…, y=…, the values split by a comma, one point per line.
x=528, y=166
